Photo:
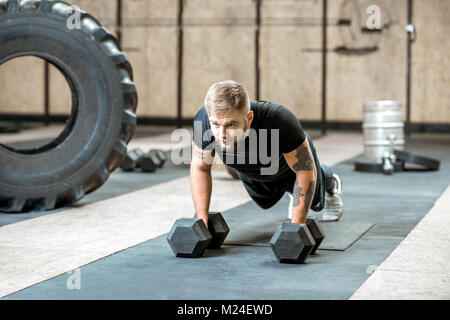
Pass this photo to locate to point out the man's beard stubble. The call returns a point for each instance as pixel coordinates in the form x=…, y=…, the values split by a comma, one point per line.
x=235, y=141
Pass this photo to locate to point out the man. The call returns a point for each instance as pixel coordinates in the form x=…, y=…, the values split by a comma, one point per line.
x=267, y=146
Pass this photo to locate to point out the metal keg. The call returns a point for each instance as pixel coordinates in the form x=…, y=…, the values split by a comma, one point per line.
x=382, y=128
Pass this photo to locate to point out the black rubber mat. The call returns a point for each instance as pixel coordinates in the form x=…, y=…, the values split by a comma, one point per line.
x=258, y=231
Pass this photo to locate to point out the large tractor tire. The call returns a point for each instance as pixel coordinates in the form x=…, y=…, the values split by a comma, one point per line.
x=104, y=101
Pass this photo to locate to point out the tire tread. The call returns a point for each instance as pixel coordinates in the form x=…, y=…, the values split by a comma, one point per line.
x=128, y=122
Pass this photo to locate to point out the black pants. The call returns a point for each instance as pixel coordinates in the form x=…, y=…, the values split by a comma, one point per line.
x=267, y=194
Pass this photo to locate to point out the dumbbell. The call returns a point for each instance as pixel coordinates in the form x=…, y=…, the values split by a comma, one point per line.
x=189, y=238
x=152, y=160
x=160, y=155
x=316, y=231
x=294, y=242
x=148, y=162
x=131, y=160
x=218, y=229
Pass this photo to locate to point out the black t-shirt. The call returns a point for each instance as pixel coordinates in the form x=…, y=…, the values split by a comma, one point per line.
x=272, y=122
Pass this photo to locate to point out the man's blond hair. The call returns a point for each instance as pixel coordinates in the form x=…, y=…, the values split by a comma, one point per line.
x=227, y=96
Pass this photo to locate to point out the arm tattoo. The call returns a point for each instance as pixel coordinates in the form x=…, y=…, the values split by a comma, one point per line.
x=297, y=195
x=205, y=155
x=199, y=154
x=305, y=159
x=310, y=193
x=307, y=198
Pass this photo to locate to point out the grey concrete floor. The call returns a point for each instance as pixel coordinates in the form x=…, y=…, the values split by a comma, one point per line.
x=394, y=203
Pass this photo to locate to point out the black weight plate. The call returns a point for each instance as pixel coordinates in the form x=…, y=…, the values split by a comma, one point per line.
x=371, y=166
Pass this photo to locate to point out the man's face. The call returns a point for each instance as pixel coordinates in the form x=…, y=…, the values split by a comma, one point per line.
x=229, y=129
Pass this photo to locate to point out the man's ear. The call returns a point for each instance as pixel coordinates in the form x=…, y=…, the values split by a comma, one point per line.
x=250, y=116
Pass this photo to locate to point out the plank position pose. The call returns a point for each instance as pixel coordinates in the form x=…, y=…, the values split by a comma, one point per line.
x=267, y=146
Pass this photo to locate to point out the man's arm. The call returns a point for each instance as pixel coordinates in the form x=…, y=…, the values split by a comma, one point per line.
x=301, y=161
x=201, y=180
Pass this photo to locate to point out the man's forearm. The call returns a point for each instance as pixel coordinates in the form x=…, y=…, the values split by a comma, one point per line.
x=201, y=188
x=303, y=194
x=301, y=161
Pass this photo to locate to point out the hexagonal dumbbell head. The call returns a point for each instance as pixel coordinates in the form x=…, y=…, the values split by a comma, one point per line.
x=218, y=229
x=160, y=155
x=149, y=162
x=189, y=238
x=316, y=232
x=131, y=160
x=292, y=243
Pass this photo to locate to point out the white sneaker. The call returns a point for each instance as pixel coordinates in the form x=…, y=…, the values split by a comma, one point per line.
x=334, y=205
x=338, y=186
